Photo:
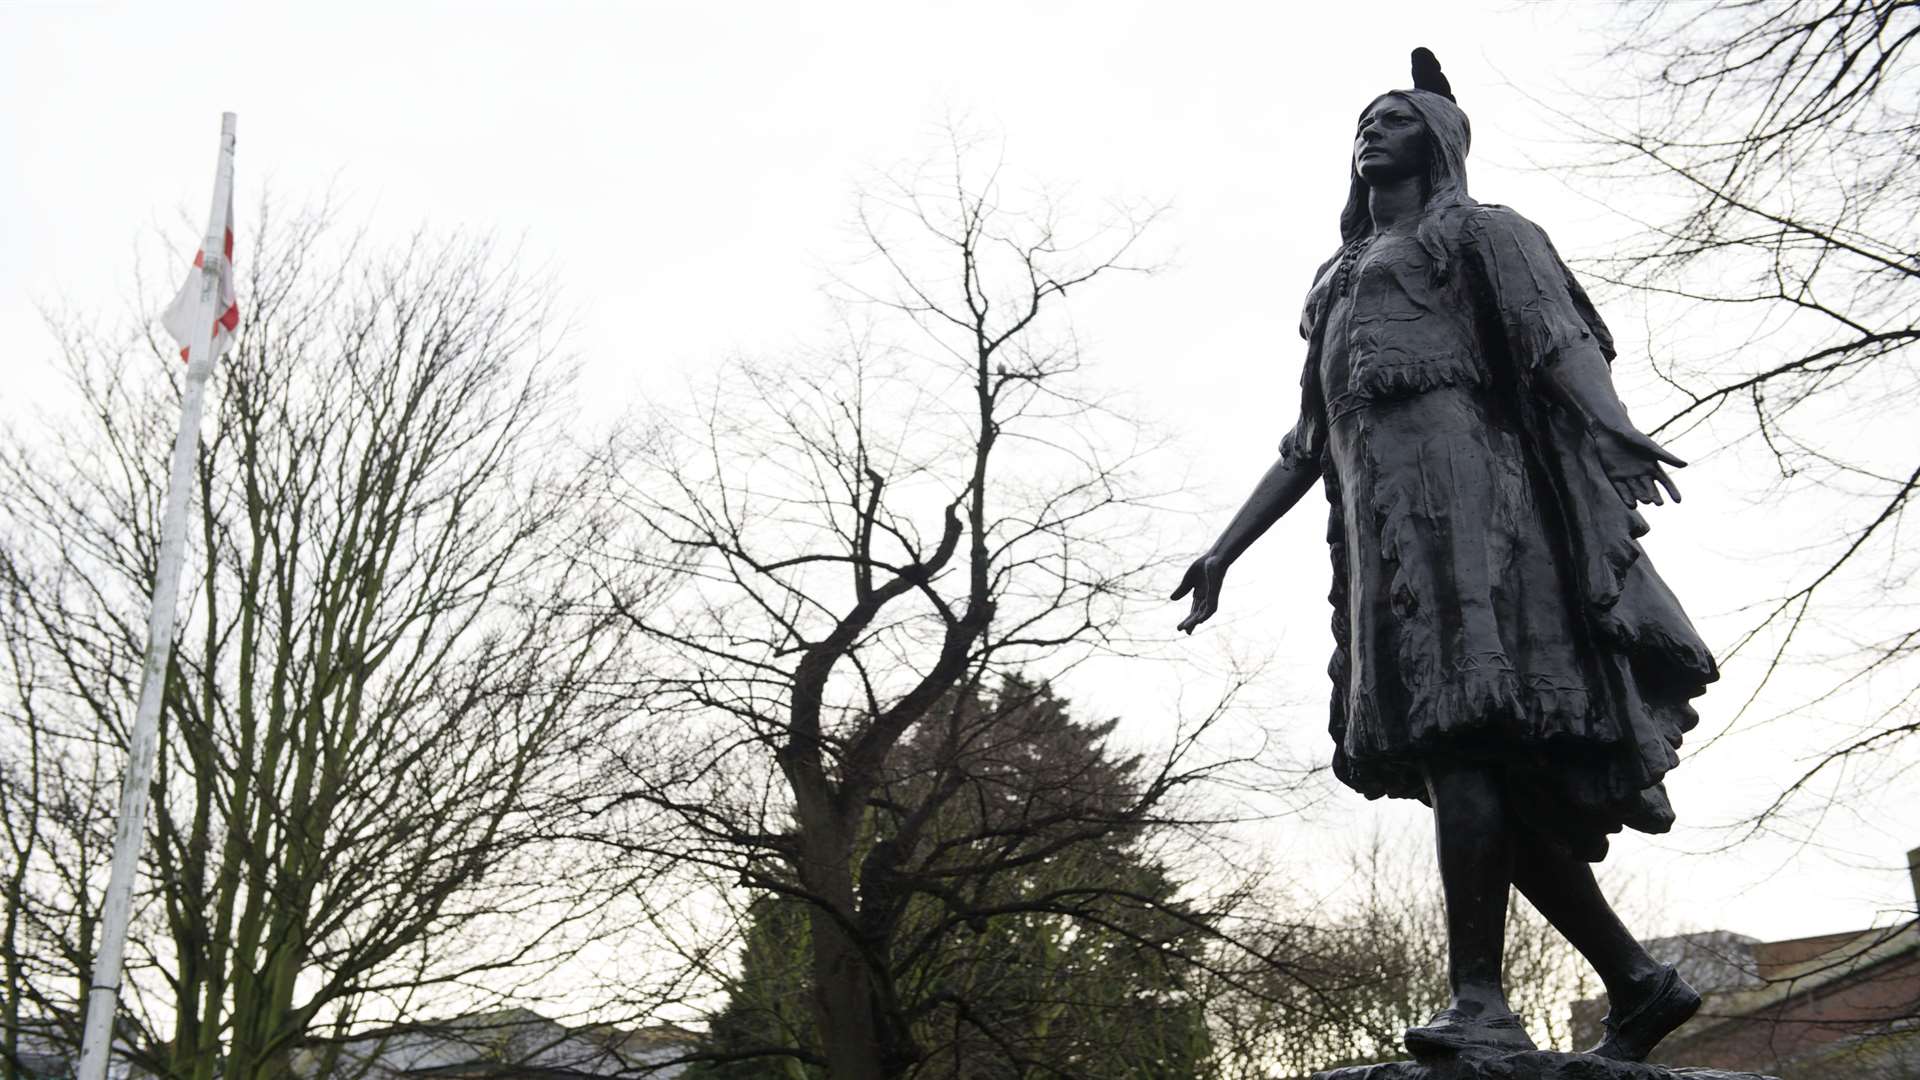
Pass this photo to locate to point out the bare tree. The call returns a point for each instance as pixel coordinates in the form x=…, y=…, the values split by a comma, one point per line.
x=871, y=538
x=1776, y=150
x=1363, y=969
x=388, y=675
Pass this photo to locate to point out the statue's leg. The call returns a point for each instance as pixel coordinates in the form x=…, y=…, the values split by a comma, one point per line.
x=1561, y=886
x=1646, y=1001
x=1476, y=875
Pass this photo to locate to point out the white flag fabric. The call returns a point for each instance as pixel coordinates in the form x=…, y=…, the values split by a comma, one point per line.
x=180, y=316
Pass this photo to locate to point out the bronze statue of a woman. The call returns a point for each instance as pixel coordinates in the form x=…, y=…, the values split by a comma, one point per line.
x=1503, y=650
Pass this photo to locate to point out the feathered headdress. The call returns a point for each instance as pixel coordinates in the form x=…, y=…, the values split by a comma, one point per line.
x=1428, y=76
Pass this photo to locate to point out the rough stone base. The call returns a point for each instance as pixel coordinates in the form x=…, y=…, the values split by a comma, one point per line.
x=1535, y=1065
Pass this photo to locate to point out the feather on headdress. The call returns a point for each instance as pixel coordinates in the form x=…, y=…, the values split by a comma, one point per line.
x=1428, y=76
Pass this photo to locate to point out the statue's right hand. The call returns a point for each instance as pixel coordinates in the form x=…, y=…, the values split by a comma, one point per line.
x=1203, y=581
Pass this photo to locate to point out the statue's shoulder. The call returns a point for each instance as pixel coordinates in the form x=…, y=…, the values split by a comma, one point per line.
x=1316, y=295
x=1477, y=223
x=1494, y=214
x=1518, y=258
x=1485, y=224
x=1489, y=234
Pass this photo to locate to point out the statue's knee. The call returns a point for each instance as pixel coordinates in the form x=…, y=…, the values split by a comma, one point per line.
x=1465, y=793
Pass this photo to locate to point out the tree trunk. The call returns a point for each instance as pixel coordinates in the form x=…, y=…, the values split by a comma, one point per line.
x=843, y=1002
x=861, y=1039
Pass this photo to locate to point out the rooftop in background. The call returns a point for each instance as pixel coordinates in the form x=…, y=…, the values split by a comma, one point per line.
x=516, y=1043
x=1833, y=1005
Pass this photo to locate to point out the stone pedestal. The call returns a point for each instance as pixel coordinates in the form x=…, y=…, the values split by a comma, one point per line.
x=1534, y=1065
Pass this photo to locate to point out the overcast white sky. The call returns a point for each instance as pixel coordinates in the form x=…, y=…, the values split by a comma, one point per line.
x=684, y=171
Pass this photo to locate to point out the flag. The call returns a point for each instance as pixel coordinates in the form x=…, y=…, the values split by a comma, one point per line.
x=180, y=316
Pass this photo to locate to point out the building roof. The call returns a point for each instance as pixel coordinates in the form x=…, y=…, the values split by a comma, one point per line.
x=503, y=1043
x=1827, y=1003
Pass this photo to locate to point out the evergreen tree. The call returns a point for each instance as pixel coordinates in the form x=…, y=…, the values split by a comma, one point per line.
x=1035, y=938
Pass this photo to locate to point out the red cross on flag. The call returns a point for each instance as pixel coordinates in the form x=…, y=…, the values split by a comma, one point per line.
x=185, y=310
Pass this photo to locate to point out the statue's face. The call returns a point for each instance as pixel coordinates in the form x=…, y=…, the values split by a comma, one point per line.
x=1391, y=142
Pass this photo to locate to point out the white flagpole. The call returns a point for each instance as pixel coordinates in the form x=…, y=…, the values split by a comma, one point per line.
x=103, y=992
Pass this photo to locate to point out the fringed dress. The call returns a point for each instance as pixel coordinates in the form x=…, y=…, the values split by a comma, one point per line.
x=1491, y=602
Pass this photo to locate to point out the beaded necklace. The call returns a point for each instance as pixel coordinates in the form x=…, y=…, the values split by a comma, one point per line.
x=1343, y=275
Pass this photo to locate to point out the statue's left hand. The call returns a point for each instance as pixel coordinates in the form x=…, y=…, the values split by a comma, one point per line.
x=1203, y=580
x=1635, y=464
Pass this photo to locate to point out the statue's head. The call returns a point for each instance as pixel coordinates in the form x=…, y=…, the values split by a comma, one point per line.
x=1418, y=132
x=1391, y=142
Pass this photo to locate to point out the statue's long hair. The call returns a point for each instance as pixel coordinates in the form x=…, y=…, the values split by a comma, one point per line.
x=1448, y=137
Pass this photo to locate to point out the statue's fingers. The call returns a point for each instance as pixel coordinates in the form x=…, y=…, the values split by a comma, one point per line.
x=1194, y=620
x=1196, y=614
x=1204, y=605
x=1666, y=481
x=1649, y=492
x=1625, y=492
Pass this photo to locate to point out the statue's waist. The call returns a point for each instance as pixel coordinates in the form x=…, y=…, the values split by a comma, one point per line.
x=1390, y=374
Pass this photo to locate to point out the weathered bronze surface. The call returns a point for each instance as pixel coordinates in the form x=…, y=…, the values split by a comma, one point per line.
x=1504, y=651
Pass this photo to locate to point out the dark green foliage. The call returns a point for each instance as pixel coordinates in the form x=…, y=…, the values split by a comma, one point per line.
x=1032, y=937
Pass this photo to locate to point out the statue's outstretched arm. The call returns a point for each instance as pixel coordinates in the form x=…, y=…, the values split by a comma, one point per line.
x=1285, y=482
x=1581, y=380
x=1553, y=330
